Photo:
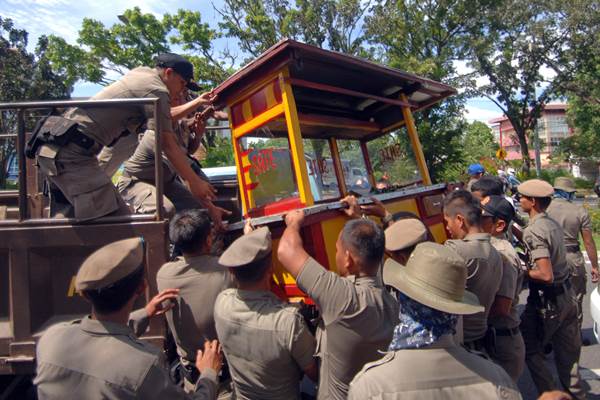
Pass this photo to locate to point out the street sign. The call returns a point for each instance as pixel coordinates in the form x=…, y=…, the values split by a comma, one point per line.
x=501, y=153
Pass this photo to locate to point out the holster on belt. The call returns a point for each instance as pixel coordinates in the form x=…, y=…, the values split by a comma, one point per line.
x=55, y=130
x=190, y=373
x=548, y=312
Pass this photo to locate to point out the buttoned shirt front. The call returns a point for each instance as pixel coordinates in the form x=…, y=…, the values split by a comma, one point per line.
x=440, y=371
x=484, y=274
x=358, y=320
x=266, y=342
x=91, y=359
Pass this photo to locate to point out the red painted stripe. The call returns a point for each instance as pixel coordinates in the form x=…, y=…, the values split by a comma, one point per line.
x=245, y=153
x=258, y=102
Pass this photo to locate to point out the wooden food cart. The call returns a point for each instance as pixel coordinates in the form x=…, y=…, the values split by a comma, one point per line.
x=309, y=126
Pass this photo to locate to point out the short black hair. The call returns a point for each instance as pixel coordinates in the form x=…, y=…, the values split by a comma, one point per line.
x=112, y=298
x=365, y=239
x=189, y=229
x=543, y=202
x=488, y=185
x=464, y=203
x=253, y=272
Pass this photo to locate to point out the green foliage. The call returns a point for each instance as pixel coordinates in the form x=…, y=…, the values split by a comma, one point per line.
x=259, y=24
x=24, y=76
x=584, y=115
x=595, y=217
x=134, y=41
x=220, y=153
x=511, y=49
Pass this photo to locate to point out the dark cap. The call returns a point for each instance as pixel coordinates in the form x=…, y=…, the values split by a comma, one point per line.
x=110, y=264
x=180, y=65
x=246, y=249
x=497, y=207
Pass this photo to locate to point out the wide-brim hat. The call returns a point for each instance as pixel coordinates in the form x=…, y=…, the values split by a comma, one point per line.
x=565, y=184
x=434, y=276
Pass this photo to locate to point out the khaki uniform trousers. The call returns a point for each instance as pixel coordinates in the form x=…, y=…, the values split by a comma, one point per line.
x=141, y=196
x=76, y=173
x=576, y=264
x=564, y=334
x=510, y=354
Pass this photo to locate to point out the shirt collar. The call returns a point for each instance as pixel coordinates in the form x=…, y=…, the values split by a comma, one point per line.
x=255, y=294
x=537, y=216
x=96, y=327
x=478, y=236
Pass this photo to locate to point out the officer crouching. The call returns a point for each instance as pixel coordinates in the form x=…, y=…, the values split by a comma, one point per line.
x=550, y=317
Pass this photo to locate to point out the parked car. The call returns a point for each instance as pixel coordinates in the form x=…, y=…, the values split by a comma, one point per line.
x=595, y=311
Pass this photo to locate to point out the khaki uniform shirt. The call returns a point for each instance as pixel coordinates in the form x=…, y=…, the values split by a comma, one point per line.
x=266, y=342
x=199, y=280
x=442, y=370
x=105, y=124
x=89, y=359
x=484, y=274
x=358, y=321
x=571, y=217
x=510, y=285
x=544, y=238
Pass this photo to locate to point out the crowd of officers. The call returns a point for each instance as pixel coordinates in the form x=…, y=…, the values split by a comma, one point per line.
x=431, y=322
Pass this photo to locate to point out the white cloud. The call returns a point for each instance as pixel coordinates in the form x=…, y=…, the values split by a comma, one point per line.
x=474, y=113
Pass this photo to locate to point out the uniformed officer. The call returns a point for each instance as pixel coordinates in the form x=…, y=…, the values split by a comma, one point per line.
x=484, y=264
x=575, y=220
x=509, y=351
x=69, y=143
x=550, y=316
x=402, y=237
x=266, y=341
x=357, y=314
x=99, y=356
x=423, y=362
x=475, y=171
x=199, y=279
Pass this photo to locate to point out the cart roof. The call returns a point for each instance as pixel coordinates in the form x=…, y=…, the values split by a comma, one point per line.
x=341, y=87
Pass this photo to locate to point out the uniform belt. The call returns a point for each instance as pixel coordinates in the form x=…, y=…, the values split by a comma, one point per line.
x=507, y=332
x=556, y=289
x=572, y=249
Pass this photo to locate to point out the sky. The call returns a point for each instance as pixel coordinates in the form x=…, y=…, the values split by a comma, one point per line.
x=64, y=17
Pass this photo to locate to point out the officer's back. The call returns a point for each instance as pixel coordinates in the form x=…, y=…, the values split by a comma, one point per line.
x=484, y=263
x=266, y=341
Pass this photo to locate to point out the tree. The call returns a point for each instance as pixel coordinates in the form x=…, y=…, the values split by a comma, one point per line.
x=135, y=41
x=585, y=117
x=478, y=142
x=512, y=49
x=425, y=38
x=331, y=24
x=25, y=76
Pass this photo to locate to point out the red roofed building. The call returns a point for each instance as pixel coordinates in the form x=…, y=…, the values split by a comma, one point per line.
x=552, y=129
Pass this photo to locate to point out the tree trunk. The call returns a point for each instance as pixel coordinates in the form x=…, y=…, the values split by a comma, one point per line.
x=522, y=136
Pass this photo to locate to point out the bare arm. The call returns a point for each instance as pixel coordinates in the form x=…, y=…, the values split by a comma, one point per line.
x=202, y=190
x=181, y=111
x=500, y=307
x=592, y=252
x=543, y=272
x=290, y=251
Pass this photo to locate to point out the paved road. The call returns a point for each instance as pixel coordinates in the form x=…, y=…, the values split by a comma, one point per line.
x=590, y=355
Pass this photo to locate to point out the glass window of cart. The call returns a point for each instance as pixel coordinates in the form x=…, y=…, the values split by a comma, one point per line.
x=321, y=173
x=393, y=162
x=353, y=167
x=268, y=167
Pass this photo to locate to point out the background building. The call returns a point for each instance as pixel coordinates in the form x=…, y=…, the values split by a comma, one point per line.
x=552, y=129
